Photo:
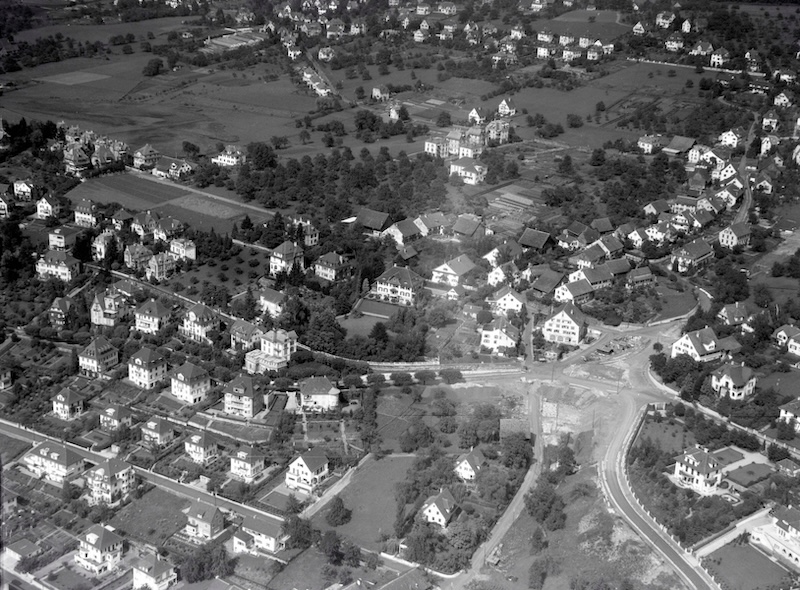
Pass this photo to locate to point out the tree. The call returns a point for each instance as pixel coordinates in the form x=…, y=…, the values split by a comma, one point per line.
x=338, y=513
x=190, y=149
x=305, y=136
x=351, y=554
x=301, y=534
x=331, y=546
x=443, y=120
x=293, y=505
x=360, y=93
x=206, y=562
x=574, y=121
x=565, y=166
x=402, y=113
x=451, y=376
x=153, y=68
x=425, y=376
x=279, y=141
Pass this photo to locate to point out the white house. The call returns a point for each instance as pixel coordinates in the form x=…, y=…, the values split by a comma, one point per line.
x=699, y=471
x=157, y=432
x=153, y=573
x=46, y=207
x=507, y=108
x=247, y=464
x=100, y=549
x=190, y=383
x=242, y=397
x=259, y=535
x=110, y=482
x=397, y=284
x=58, y=265
x=734, y=381
x=701, y=345
x=439, y=509
x=147, y=368
x=566, y=325
x=98, y=357
x=307, y=471
x=499, y=335
x=318, y=394
x=199, y=322
x=735, y=235
x=201, y=447
x=277, y=347
x=151, y=316
x=67, y=405
x=507, y=299
x=285, y=256
x=54, y=462
x=469, y=464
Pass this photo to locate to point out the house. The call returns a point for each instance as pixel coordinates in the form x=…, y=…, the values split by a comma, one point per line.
x=470, y=170
x=733, y=138
x=201, y=447
x=664, y=20
x=199, y=323
x=567, y=325
x=167, y=227
x=640, y=277
x=277, y=347
x=734, y=314
x=307, y=471
x=701, y=345
x=477, y=116
x=147, y=368
x=736, y=235
x=692, y=255
x=439, y=509
x=86, y=213
x=54, y=462
x=110, y=482
x=98, y=358
x=145, y=157
x=453, y=272
x=151, y=316
x=534, y=239
x=499, y=335
x=101, y=244
x=780, y=537
x=403, y=232
x=318, y=394
x=650, y=143
x=153, y=573
x=145, y=223
x=100, y=550
x=309, y=231
x=242, y=397
x=507, y=108
x=398, y=285
x=381, y=93
x=159, y=267
x=190, y=383
x=333, y=267
x=67, y=405
x=46, y=207
x=469, y=226
x=286, y=256
x=121, y=219
x=784, y=99
x=702, y=48
x=205, y=521
x=183, y=249
x=674, y=42
x=24, y=190
x=784, y=334
x=115, y=417
x=698, y=470
x=6, y=204
x=137, y=256
x=247, y=464
x=271, y=301
x=436, y=223
x=546, y=283
x=157, y=432
x=59, y=312
x=507, y=299
x=469, y=464
x=58, y=265
x=229, y=157
x=259, y=535
x=245, y=336
x=719, y=58
x=576, y=292
x=734, y=381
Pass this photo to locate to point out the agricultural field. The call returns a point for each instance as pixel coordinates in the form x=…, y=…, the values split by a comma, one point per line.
x=91, y=33
x=370, y=495
x=745, y=567
x=153, y=518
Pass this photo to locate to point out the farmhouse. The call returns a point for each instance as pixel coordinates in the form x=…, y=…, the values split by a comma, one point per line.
x=693, y=255
x=736, y=235
x=307, y=471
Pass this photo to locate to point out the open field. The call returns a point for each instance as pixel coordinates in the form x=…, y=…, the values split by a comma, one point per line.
x=370, y=496
x=671, y=438
x=92, y=33
x=674, y=303
x=394, y=415
x=745, y=567
x=153, y=518
x=11, y=448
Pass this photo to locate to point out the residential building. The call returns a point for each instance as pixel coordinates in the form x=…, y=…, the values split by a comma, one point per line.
x=577, y=292
x=46, y=207
x=151, y=316
x=699, y=471
x=285, y=256
x=439, y=509
x=692, y=255
x=398, y=284
x=307, y=471
x=110, y=482
x=333, y=267
x=206, y=522
x=507, y=299
x=24, y=190
x=318, y=394
x=310, y=233
x=499, y=335
x=247, y=464
x=59, y=312
x=507, y=108
x=153, y=573
x=147, y=368
x=137, y=257
x=145, y=157
x=277, y=347
x=470, y=170
x=144, y=223
x=271, y=301
x=157, y=432
x=245, y=336
x=183, y=249
x=733, y=314
x=230, y=156
x=719, y=58
x=734, y=381
x=190, y=383
x=86, y=213
x=98, y=357
x=159, y=267
x=199, y=323
x=736, y=235
x=54, y=462
x=469, y=464
x=100, y=550
x=567, y=325
x=242, y=398
x=67, y=405
x=166, y=228
x=453, y=272
x=259, y=535
x=403, y=232
x=6, y=204
x=58, y=265
x=784, y=334
x=701, y=345
x=101, y=244
x=780, y=537
x=201, y=447
x=115, y=417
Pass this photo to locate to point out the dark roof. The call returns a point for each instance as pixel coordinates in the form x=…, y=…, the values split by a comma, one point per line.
x=374, y=220
x=533, y=238
x=548, y=281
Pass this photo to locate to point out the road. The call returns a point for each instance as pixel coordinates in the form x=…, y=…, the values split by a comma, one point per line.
x=743, y=213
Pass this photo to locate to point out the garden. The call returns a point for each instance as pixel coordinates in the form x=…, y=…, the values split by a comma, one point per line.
x=153, y=518
x=740, y=566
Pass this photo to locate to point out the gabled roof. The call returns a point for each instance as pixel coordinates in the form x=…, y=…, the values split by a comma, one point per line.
x=97, y=348
x=407, y=228
x=244, y=328
x=533, y=238
x=153, y=566
x=603, y=225
x=371, y=219
x=241, y=385
x=153, y=308
x=203, y=313
x=695, y=249
x=467, y=225
x=68, y=396
x=508, y=290
x=460, y=265
x=443, y=501
x=108, y=469
x=401, y=276
x=738, y=374
x=263, y=525
x=59, y=453
x=572, y=311
x=314, y=459
x=190, y=372
x=548, y=281
x=740, y=230
x=62, y=304
x=316, y=386
x=474, y=459
x=579, y=288
x=202, y=512
x=147, y=356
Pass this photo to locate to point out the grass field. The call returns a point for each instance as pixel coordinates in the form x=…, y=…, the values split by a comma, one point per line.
x=370, y=496
x=11, y=448
x=153, y=518
x=669, y=437
x=674, y=303
x=394, y=416
x=745, y=568
x=359, y=326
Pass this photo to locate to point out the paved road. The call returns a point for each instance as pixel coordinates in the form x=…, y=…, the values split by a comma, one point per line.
x=743, y=213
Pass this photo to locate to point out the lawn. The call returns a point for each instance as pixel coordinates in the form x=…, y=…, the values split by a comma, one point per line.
x=674, y=303
x=359, y=326
x=11, y=448
x=745, y=568
x=68, y=579
x=370, y=496
x=671, y=438
x=394, y=415
x=153, y=518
